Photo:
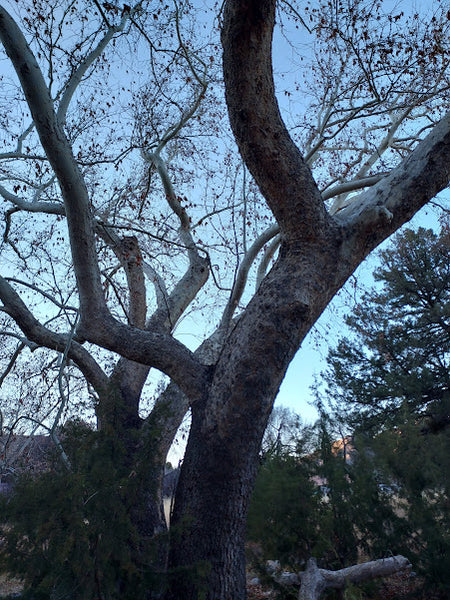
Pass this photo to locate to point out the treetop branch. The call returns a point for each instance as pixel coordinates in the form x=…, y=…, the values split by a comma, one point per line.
x=263, y=140
x=60, y=156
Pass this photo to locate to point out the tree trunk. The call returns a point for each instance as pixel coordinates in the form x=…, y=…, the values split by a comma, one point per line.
x=208, y=526
x=207, y=534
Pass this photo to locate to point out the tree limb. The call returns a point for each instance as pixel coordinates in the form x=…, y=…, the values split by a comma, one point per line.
x=263, y=140
x=60, y=156
x=397, y=197
x=37, y=333
x=80, y=72
x=242, y=274
x=315, y=581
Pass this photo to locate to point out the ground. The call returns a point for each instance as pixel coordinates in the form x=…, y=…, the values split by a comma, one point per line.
x=9, y=587
x=398, y=587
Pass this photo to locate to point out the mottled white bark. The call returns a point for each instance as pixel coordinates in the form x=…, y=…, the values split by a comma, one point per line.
x=315, y=581
x=96, y=323
x=230, y=386
x=401, y=193
x=242, y=274
x=60, y=156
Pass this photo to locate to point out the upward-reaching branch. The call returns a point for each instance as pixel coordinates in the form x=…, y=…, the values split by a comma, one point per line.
x=82, y=69
x=96, y=323
x=378, y=212
x=242, y=274
x=264, y=142
x=60, y=156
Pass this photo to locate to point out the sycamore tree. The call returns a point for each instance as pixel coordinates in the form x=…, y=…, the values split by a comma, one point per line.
x=127, y=206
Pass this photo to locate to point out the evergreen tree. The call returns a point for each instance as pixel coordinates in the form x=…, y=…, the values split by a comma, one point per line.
x=390, y=382
x=320, y=500
x=70, y=533
x=281, y=517
x=396, y=363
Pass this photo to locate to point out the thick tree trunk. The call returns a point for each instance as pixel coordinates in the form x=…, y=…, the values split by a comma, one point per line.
x=207, y=536
x=206, y=558
x=207, y=532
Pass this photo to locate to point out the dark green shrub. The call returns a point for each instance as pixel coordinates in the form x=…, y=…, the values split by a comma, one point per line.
x=71, y=534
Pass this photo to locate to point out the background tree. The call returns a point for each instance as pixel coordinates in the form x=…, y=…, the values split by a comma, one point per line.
x=66, y=550
x=283, y=511
x=389, y=385
x=396, y=364
x=341, y=504
x=411, y=470
x=124, y=164
x=321, y=501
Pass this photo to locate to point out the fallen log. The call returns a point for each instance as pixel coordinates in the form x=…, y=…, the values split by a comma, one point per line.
x=314, y=581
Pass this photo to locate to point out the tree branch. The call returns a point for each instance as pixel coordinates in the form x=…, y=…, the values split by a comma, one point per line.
x=37, y=333
x=345, y=188
x=11, y=362
x=51, y=208
x=382, y=209
x=60, y=156
x=80, y=72
x=242, y=274
x=315, y=581
x=263, y=140
x=265, y=261
x=128, y=252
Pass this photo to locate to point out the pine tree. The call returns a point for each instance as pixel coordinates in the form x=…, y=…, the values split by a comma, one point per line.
x=396, y=363
x=70, y=534
x=390, y=383
x=281, y=518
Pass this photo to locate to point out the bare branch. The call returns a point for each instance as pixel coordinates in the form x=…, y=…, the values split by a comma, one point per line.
x=265, y=261
x=52, y=208
x=60, y=156
x=159, y=284
x=242, y=274
x=64, y=399
x=407, y=188
x=35, y=288
x=11, y=362
x=346, y=187
x=128, y=252
x=315, y=581
x=77, y=76
x=38, y=334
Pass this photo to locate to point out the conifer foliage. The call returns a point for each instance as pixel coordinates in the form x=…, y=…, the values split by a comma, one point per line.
x=71, y=534
x=396, y=362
